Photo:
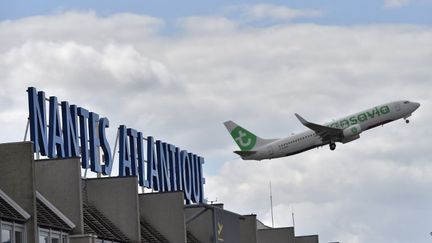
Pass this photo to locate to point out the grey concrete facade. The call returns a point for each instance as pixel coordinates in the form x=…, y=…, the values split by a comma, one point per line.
x=170, y=219
x=199, y=221
x=117, y=199
x=17, y=180
x=82, y=238
x=66, y=194
x=307, y=239
x=248, y=229
x=276, y=235
x=211, y=224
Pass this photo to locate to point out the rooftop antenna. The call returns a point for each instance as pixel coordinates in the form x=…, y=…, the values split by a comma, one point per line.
x=271, y=205
x=292, y=214
x=212, y=201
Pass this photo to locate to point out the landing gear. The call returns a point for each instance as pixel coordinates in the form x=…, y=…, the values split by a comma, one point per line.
x=332, y=146
x=406, y=118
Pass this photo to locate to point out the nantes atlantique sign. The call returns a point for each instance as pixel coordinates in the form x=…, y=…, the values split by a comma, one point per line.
x=78, y=132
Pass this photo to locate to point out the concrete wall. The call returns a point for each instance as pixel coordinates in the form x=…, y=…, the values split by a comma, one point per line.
x=164, y=212
x=227, y=226
x=213, y=224
x=202, y=226
x=59, y=181
x=117, y=199
x=82, y=238
x=248, y=229
x=17, y=180
x=276, y=235
x=307, y=239
x=261, y=225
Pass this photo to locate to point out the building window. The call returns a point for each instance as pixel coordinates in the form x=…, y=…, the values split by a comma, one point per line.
x=43, y=237
x=11, y=232
x=6, y=236
x=52, y=236
x=19, y=237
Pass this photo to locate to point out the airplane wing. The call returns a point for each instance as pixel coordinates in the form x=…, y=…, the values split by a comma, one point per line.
x=326, y=133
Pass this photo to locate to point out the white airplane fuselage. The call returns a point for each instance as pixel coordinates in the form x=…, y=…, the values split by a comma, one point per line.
x=352, y=126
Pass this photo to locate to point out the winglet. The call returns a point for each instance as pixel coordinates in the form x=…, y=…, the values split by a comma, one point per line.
x=321, y=130
x=301, y=119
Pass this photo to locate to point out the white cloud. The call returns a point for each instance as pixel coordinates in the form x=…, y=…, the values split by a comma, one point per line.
x=181, y=88
x=84, y=27
x=396, y=3
x=207, y=25
x=280, y=12
x=275, y=12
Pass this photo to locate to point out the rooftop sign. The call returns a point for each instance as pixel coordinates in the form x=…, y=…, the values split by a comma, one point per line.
x=73, y=131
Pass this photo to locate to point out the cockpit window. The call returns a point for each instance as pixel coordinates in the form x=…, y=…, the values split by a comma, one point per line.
x=406, y=102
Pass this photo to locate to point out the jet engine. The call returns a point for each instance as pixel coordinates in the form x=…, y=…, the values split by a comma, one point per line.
x=351, y=133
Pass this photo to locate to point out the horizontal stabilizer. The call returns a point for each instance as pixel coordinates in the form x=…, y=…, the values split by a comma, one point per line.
x=245, y=153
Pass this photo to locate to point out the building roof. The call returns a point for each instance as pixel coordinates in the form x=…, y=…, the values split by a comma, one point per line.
x=261, y=225
x=96, y=223
x=10, y=210
x=9, y=213
x=150, y=234
x=191, y=238
x=47, y=218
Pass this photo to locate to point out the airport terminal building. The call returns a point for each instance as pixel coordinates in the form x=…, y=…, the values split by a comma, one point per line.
x=49, y=201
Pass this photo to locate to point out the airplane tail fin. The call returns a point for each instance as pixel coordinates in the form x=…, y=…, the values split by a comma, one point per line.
x=246, y=140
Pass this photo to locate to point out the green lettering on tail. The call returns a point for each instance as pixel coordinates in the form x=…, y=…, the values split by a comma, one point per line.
x=244, y=139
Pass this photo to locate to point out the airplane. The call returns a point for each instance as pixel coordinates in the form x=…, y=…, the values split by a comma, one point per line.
x=344, y=130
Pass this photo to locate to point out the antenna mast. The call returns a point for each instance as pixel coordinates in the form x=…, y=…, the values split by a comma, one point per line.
x=271, y=205
x=292, y=213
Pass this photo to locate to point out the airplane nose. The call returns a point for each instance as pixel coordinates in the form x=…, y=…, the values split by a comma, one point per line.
x=416, y=105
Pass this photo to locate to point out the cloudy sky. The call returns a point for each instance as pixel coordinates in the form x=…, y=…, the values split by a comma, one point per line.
x=178, y=69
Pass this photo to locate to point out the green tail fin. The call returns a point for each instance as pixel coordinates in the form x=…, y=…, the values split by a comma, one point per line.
x=244, y=139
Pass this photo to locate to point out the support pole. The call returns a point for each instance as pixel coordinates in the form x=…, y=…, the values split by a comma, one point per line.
x=115, y=145
x=26, y=130
x=271, y=205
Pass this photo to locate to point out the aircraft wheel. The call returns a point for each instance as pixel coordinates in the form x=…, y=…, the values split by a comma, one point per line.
x=332, y=146
x=407, y=121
